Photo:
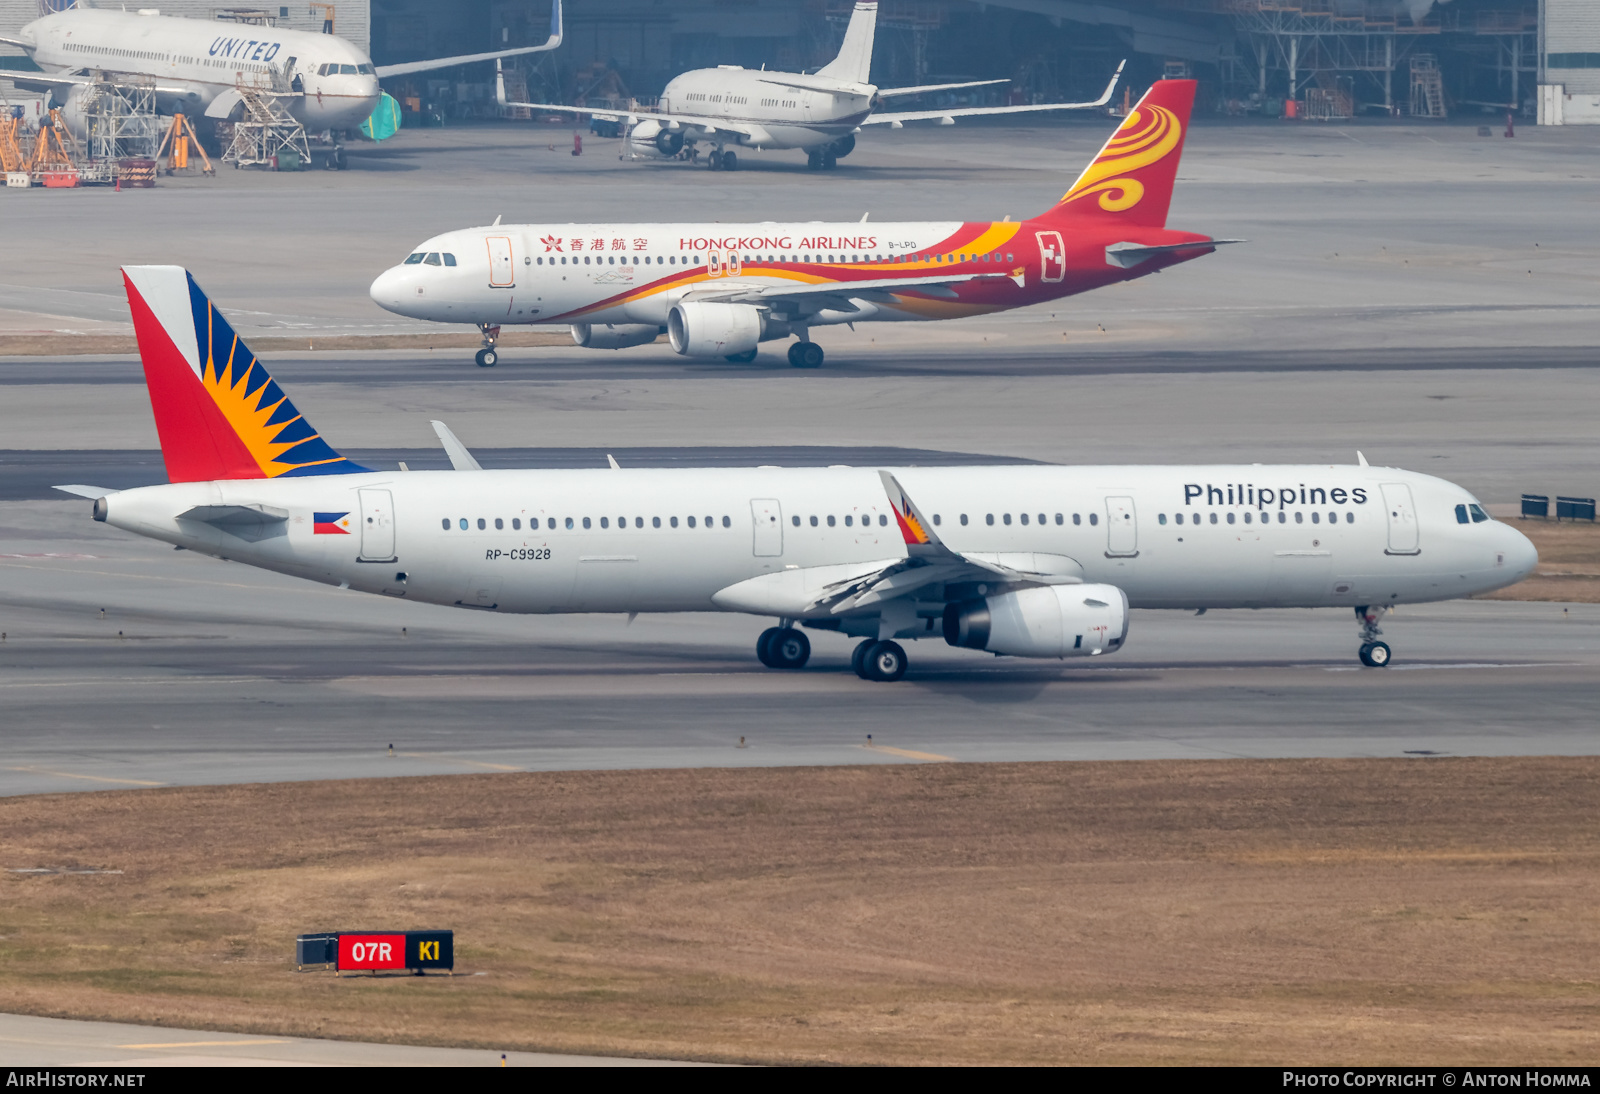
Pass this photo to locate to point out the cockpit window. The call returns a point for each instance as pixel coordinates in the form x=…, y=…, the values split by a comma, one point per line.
x=412, y=260
x=449, y=259
x=1478, y=515
x=322, y=70
x=366, y=70
x=433, y=259
x=347, y=70
x=1461, y=514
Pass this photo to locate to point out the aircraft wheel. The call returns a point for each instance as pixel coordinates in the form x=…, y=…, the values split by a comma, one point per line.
x=714, y=161
x=340, y=160
x=805, y=355
x=764, y=646
x=884, y=662
x=829, y=162
x=788, y=649
x=858, y=656
x=487, y=358
x=730, y=161
x=742, y=358
x=814, y=161
x=1376, y=655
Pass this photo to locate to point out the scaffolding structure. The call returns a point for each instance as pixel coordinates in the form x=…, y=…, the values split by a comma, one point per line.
x=120, y=122
x=1427, y=87
x=268, y=135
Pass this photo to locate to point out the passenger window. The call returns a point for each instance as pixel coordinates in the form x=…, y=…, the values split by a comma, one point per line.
x=412, y=260
x=830, y=520
x=1333, y=518
x=433, y=259
x=516, y=524
x=638, y=522
x=1024, y=518
x=1213, y=518
x=963, y=520
x=1178, y=517
x=446, y=524
x=499, y=524
x=449, y=259
x=936, y=520
x=1005, y=518
x=1161, y=518
x=727, y=522
x=1349, y=518
x=1299, y=518
x=655, y=522
x=1041, y=518
x=883, y=519
x=1058, y=518
x=691, y=522
x=1247, y=516
x=605, y=522
x=988, y=518
x=1230, y=518
x=1478, y=515
x=672, y=521
x=482, y=524
x=569, y=524
x=795, y=521
x=1094, y=518
x=551, y=525
x=1316, y=518
x=847, y=520
x=813, y=522
x=1077, y=518
x=586, y=522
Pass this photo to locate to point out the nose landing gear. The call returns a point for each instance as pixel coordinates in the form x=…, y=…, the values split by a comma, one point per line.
x=487, y=357
x=1374, y=654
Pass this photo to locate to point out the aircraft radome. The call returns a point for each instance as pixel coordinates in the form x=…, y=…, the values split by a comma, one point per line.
x=719, y=290
x=1035, y=561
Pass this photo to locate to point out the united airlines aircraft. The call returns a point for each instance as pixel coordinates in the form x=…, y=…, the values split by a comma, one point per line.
x=720, y=290
x=1021, y=561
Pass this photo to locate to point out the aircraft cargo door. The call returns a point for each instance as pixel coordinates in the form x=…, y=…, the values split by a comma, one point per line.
x=377, y=526
x=1402, y=516
x=502, y=272
x=1122, y=528
x=767, y=516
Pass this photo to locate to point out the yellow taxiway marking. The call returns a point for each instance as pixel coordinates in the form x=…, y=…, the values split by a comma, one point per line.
x=910, y=755
x=457, y=760
x=204, y=1044
x=91, y=778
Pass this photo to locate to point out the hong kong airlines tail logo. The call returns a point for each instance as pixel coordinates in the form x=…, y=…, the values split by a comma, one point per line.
x=1147, y=136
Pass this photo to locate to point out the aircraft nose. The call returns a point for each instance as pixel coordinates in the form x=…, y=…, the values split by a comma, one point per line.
x=388, y=290
x=1521, y=555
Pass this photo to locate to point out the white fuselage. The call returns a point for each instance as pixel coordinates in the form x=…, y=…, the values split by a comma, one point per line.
x=670, y=540
x=334, y=82
x=769, y=114
x=635, y=273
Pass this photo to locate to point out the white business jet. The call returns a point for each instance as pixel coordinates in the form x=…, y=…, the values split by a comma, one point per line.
x=1026, y=561
x=198, y=65
x=730, y=107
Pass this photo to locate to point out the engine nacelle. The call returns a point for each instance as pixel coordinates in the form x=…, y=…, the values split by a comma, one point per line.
x=652, y=139
x=843, y=146
x=701, y=328
x=614, y=335
x=1045, y=621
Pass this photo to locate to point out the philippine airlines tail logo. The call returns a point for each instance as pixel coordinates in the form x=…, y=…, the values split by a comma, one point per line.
x=1132, y=176
x=218, y=413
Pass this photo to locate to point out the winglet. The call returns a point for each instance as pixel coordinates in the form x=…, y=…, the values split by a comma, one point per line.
x=460, y=458
x=914, y=527
x=1360, y=459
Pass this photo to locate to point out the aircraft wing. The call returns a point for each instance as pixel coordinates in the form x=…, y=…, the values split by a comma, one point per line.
x=888, y=92
x=903, y=116
x=755, y=292
x=18, y=42
x=840, y=590
x=682, y=121
x=48, y=81
x=469, y=58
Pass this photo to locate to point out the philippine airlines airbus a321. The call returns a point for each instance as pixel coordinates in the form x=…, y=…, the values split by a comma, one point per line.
x=1027, y=561
x=719, y=290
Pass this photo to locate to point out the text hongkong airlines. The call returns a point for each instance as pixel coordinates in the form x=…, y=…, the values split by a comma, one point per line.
x=720, y=292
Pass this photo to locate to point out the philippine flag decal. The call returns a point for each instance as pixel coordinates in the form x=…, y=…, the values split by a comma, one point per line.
x=331, y=524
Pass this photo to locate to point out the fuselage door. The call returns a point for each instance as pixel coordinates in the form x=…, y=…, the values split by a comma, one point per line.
x=1052, y=256
x=767, y=516
x=1122, y=528
x=502, y=273
x=732, y=263
x=377, y=526
x=1402, y=514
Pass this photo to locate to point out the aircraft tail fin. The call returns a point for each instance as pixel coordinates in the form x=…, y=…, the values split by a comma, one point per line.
x=1131, y=179
x=218, y=413
x=854, y=62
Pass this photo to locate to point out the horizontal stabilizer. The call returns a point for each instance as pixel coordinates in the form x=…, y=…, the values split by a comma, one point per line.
x=82, y=491
x=223, y=515
x=1129, y=255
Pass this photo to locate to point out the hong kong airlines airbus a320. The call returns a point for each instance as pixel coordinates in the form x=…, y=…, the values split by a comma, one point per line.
x=719, y=290
x=1026, y=561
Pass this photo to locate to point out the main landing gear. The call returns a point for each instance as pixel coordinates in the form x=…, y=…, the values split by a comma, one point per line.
x=723, y=161
x=1374, y=654
x=487, y=356
x=822, y=161
x=805, y=355
x=783, y=648
x=882, y=661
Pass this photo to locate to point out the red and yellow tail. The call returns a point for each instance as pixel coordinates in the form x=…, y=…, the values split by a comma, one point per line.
x=1131, y=179
x=218, y=413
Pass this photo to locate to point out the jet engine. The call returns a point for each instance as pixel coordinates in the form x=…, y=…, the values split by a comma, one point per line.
x=651, y=138
x=703, y=328
x=614, y=335
x=1045, y=621
x=669, y=142
x=843, y=146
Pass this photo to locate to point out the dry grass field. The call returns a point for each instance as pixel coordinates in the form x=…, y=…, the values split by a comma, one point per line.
x=1377, y=911
x=1569, y=563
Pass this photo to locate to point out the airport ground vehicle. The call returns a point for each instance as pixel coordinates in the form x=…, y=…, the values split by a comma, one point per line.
x=1041, y=561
